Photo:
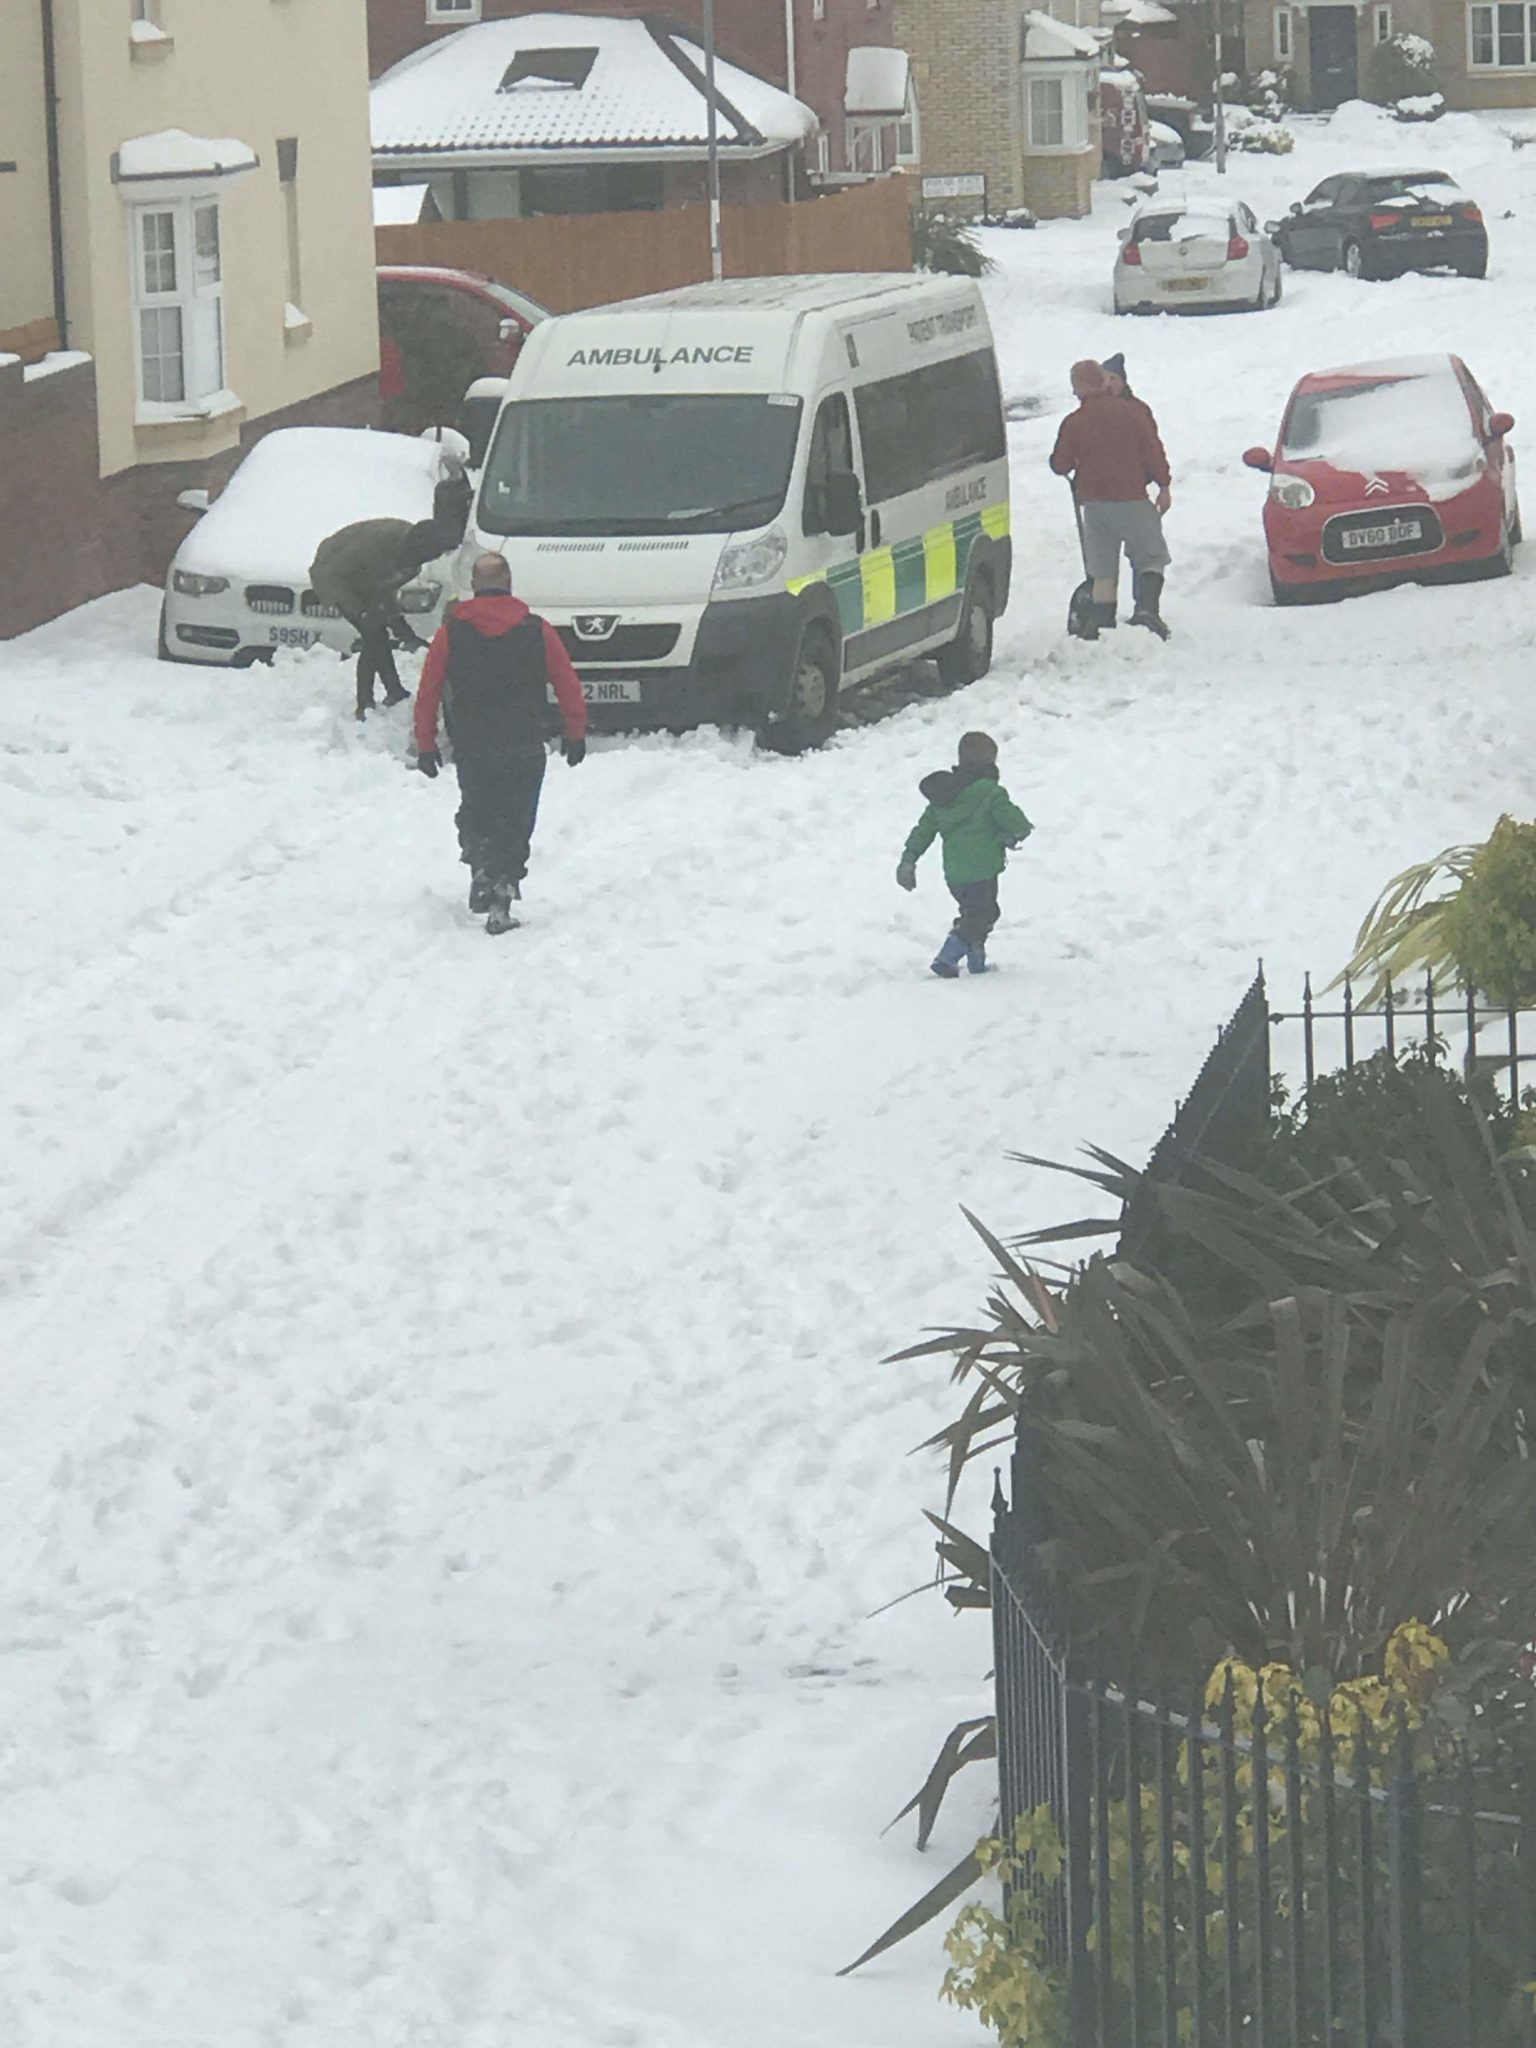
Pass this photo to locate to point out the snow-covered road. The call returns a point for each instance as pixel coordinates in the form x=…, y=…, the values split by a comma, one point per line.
x=448, y=1470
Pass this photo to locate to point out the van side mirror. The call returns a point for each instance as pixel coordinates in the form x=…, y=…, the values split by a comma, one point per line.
x=1258, y=458
x=1501, y=424
x=842, y=503
x=193, y=501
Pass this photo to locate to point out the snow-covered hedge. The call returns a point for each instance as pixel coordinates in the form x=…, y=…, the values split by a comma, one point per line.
x=1401, y=69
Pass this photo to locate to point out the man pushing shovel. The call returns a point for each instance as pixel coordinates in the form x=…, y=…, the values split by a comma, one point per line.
x=1110, y=449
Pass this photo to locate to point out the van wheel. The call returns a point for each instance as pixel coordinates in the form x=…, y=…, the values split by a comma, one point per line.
x=969, y=655
x=810, y=717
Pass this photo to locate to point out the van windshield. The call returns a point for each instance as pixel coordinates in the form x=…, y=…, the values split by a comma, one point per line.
x=673, y=463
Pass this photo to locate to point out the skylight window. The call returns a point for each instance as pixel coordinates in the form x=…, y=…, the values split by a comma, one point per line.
x=543, y=69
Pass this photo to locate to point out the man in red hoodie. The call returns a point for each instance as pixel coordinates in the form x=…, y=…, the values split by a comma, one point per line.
x=490, y=669
x=1111, y=449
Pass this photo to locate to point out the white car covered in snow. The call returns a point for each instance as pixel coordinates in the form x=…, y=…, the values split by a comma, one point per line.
x=1195, y=256
x=238, y=587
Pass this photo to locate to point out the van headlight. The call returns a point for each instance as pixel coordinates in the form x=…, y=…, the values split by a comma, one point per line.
x=751, y=562
x=1293, y=492
x=419, y=597
x=185, y=584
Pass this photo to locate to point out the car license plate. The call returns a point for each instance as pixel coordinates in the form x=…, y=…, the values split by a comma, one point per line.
x=607, y=689
x=291, y=636
x=1431, y=220
x=1389, y=536
x=1186, y=284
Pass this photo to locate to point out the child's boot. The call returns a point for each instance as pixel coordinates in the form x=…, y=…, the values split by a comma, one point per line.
x=976, y=957
x=946, y=962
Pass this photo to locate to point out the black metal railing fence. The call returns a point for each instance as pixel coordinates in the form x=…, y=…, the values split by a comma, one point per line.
x=1260, y=1868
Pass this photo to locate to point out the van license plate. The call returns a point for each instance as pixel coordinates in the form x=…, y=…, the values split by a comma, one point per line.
x=607, y=689
x=291, y=636
x=1391, y=536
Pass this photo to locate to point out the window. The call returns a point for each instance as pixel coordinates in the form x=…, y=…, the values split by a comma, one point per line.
x=1047, y=113
x=456, y=11
x=929, y=423
x=178, y=301
x=1284, y=38
x=1381, y=25
x=818, y=10
x=831, y=454
x=909, y=143
x=1501, y=38
x=288, y=179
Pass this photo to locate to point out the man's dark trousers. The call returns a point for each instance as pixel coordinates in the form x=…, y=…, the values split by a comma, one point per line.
x=979, y=910
x=498, y=809
x=376, y=662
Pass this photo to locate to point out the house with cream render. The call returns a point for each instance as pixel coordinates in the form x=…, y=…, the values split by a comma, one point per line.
x=187, y=241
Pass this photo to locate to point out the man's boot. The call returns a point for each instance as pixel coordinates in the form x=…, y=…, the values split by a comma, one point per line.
x=501, y=918
x=1149, y=597
x=481, y=894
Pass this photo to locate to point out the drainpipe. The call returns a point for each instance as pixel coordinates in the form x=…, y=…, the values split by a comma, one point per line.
x=791, y=83
x=55, y=179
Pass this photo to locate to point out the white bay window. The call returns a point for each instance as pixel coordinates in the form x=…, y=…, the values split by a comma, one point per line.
x=178, y=302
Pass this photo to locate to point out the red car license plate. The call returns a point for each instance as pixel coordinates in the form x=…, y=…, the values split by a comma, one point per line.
x=1389, y=536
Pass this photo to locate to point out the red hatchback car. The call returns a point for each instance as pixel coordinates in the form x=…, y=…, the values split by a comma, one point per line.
x=1385, y=472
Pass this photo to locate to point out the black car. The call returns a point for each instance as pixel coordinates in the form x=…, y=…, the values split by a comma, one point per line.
x=1381, y=223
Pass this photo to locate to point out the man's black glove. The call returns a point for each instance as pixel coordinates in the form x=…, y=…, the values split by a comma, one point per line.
x=429, y=762
x=575, y=752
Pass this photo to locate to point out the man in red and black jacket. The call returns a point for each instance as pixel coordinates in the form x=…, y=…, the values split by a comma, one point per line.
x=490, y=669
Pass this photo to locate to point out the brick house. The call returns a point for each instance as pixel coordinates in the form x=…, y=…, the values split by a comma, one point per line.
x=1011, y=92
x=189, y=263
x=801, y=46
x=1485, y=52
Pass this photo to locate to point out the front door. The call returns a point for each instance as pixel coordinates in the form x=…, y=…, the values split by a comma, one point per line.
x=1335, y=56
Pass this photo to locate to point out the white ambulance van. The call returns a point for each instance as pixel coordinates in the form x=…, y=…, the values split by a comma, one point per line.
x=738, y=500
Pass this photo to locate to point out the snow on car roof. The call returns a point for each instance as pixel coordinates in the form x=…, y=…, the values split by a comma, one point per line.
x=298, y=485
x=638, y=89
x=1408, y=414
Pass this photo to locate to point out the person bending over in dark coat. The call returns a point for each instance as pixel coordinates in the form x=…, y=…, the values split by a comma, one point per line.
x=361, y=569
x=490, y=669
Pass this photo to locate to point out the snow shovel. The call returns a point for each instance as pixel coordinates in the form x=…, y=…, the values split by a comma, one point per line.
x=1080, y=604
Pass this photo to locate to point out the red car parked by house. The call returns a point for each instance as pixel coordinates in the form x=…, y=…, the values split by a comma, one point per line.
x=1386, y=472
x=439, y=330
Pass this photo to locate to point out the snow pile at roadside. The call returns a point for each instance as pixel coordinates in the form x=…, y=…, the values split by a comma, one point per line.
x=449, y=1474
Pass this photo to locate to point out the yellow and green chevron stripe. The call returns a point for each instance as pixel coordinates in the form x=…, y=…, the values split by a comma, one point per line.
x=884, y=583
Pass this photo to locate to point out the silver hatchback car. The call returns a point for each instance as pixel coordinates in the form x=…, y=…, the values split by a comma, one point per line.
x=1195, y=256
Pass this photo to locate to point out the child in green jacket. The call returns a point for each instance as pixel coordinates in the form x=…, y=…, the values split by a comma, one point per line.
x=971, y=812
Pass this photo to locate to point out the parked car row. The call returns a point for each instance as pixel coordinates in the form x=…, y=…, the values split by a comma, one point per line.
x=1190, y=255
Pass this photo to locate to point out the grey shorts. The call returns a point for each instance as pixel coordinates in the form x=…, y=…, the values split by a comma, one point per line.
x=1133, y=524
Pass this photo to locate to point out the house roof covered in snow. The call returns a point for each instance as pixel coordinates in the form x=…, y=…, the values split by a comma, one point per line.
x=1137, y=13
x=583, y=86
x=1046, y=38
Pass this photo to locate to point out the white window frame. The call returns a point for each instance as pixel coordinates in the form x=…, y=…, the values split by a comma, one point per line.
x=192, y=287
x=1076, y=116
x=869, y=147
x=1285, y=35
x=818, y=10
x=1381, y=23
x=460, y=13
x=909, y=129
x=1491, y=8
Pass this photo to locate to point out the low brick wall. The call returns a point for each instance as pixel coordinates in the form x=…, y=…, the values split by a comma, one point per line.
x=72, y=534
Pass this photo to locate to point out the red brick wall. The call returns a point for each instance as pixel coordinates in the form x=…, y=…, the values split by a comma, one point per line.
x=72, y=535
x=68, y=535
x=749, y=32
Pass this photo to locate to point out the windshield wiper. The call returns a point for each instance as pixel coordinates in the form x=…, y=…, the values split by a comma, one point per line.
x=722, y=511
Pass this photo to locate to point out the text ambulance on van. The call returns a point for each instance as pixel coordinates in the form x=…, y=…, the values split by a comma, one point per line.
x=737, y=500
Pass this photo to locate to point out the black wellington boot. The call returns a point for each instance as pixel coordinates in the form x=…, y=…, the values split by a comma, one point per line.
x=1149, y=597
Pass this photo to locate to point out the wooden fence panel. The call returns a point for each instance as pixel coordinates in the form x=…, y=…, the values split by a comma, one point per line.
x=574, y=260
